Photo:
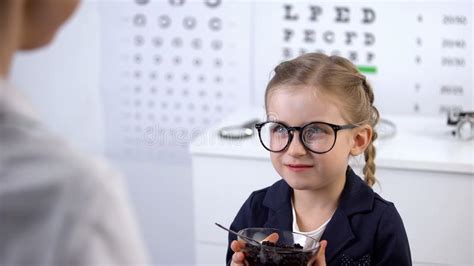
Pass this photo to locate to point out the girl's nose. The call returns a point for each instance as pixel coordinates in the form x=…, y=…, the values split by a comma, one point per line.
x=296, y=148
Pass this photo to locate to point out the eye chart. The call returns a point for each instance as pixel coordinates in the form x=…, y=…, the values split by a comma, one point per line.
x=171, y=68
x=417, y=55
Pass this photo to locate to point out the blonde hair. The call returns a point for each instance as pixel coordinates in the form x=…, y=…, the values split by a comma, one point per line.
x=338, y=77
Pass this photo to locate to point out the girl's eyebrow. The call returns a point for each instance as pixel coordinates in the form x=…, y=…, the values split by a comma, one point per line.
x=274, y=120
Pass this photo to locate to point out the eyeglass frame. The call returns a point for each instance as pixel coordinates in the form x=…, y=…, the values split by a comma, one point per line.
x=290, y=130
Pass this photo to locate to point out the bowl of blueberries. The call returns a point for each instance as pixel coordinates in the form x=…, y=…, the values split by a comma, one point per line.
x=268, y=246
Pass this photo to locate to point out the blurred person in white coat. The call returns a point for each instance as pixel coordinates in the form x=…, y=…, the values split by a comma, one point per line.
x=57, y=206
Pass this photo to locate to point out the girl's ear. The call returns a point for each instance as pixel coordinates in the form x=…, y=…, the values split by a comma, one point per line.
x=362, y=136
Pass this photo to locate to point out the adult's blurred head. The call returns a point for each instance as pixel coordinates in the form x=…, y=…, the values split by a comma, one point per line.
x=30, y=24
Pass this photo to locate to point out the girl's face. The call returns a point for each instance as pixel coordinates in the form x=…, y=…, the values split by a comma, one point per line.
x=299, y=167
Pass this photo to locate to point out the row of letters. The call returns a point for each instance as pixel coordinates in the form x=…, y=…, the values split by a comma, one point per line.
x=329, y=36
x=341, y=14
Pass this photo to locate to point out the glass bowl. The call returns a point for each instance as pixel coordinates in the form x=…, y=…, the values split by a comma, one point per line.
x=290, y=249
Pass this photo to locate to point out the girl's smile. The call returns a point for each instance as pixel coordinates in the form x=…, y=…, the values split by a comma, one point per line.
x=299, y=167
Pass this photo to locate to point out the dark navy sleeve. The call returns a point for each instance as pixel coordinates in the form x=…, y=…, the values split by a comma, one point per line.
x=391, y=243
x=241, y=221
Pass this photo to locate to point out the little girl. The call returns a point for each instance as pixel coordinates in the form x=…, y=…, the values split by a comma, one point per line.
x=319, y=113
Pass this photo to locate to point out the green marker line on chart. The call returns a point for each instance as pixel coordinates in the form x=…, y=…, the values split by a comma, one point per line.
x=367, y=69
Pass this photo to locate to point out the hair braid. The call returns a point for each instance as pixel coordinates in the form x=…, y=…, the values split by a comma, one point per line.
x=369, y=153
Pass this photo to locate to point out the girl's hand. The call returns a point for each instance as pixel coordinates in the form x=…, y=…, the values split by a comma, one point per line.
x=320, y=258
x=238, y=259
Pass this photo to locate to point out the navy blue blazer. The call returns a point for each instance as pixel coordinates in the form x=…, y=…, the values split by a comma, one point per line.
x=364, y=230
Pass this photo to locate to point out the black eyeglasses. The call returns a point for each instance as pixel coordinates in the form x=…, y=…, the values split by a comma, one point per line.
x=317, y=137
